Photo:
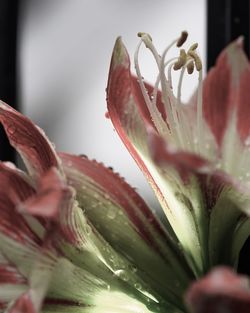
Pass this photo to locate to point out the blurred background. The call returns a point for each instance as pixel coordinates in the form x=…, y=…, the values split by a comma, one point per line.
x=64, y=54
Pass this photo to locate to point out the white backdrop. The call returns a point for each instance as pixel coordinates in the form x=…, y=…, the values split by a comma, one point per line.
x=66, y=47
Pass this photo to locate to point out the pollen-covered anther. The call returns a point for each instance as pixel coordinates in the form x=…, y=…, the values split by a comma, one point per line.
x=181, y=60
x=146, y=38
x=193, y=47
x=190, y=67
x=197, y=60
x=182, y=39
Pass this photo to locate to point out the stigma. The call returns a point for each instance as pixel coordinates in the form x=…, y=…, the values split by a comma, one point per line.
x=176, y=126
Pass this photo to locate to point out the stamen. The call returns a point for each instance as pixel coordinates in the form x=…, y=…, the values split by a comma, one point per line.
x=182, y=39
x=153, y=110
x=177, y=124
x=185, y=131
x=197, y=60
x=181, y=60
x=190, y=67
x=193, y=47
x=169, y=71
x=156, y=85
x=166, y=90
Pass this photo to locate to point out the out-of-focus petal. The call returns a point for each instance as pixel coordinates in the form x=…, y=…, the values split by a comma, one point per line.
x=220, y=291
x=12, y=223
x=29, y=140
x=51, y=195
x=225, y=92
x=23, y=305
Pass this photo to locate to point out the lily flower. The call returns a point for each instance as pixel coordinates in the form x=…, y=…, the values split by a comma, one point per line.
x=196, y=156
x=76, y=238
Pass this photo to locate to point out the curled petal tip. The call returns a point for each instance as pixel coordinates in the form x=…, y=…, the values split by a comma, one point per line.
x=120, y=55
x=240, y=42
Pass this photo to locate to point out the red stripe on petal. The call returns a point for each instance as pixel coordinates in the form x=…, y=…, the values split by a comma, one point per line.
x=216, y=97
x=14, y=189
x=185, y=163
x=117, y=190
x=29, y=140
x=123, y=88
x=51, y=196
x=9, y=275
x=220, y=291
x=23, y=305
x=243, y=123
x=226, y=91
x=15, y=182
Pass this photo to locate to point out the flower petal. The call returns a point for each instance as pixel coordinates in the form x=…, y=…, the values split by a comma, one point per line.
x=35, y=149
x=127, y=109
x=126, y=113
x=51, y=196
x=225, y=92
x=220, y=291
x=126, y=223
x=23, y=305
x=12, y=223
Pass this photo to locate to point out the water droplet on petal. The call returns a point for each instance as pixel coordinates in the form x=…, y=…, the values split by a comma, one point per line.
x=69, y=163
x=137, y=286
x=247, y=141
x=111, y=213
x=11, y=129
x=88, y=230
x=133, y=268
x=121, y=274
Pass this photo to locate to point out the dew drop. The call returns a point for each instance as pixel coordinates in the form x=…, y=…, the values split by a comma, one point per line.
x=133, y=268
x=111, y=214
x=137, y=286
x=121, y=274
x=11, y=129
x=247, y=141
x=88, y=230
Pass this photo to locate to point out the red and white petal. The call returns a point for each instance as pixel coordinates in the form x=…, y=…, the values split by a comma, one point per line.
x=23, y=305
x=226, y=108
x=14, y=188
x=51, y=196
x=125, y=110
x=225, y=92
x=29, y=140
x=124, y=221
x=220, y=291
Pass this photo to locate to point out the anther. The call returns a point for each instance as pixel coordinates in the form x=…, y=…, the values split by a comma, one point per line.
x=190, y=67
x=142, y=34
x=181, y=60
x=146, y=38
x=182, y=39
x=197, y=60
x=193, y=47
